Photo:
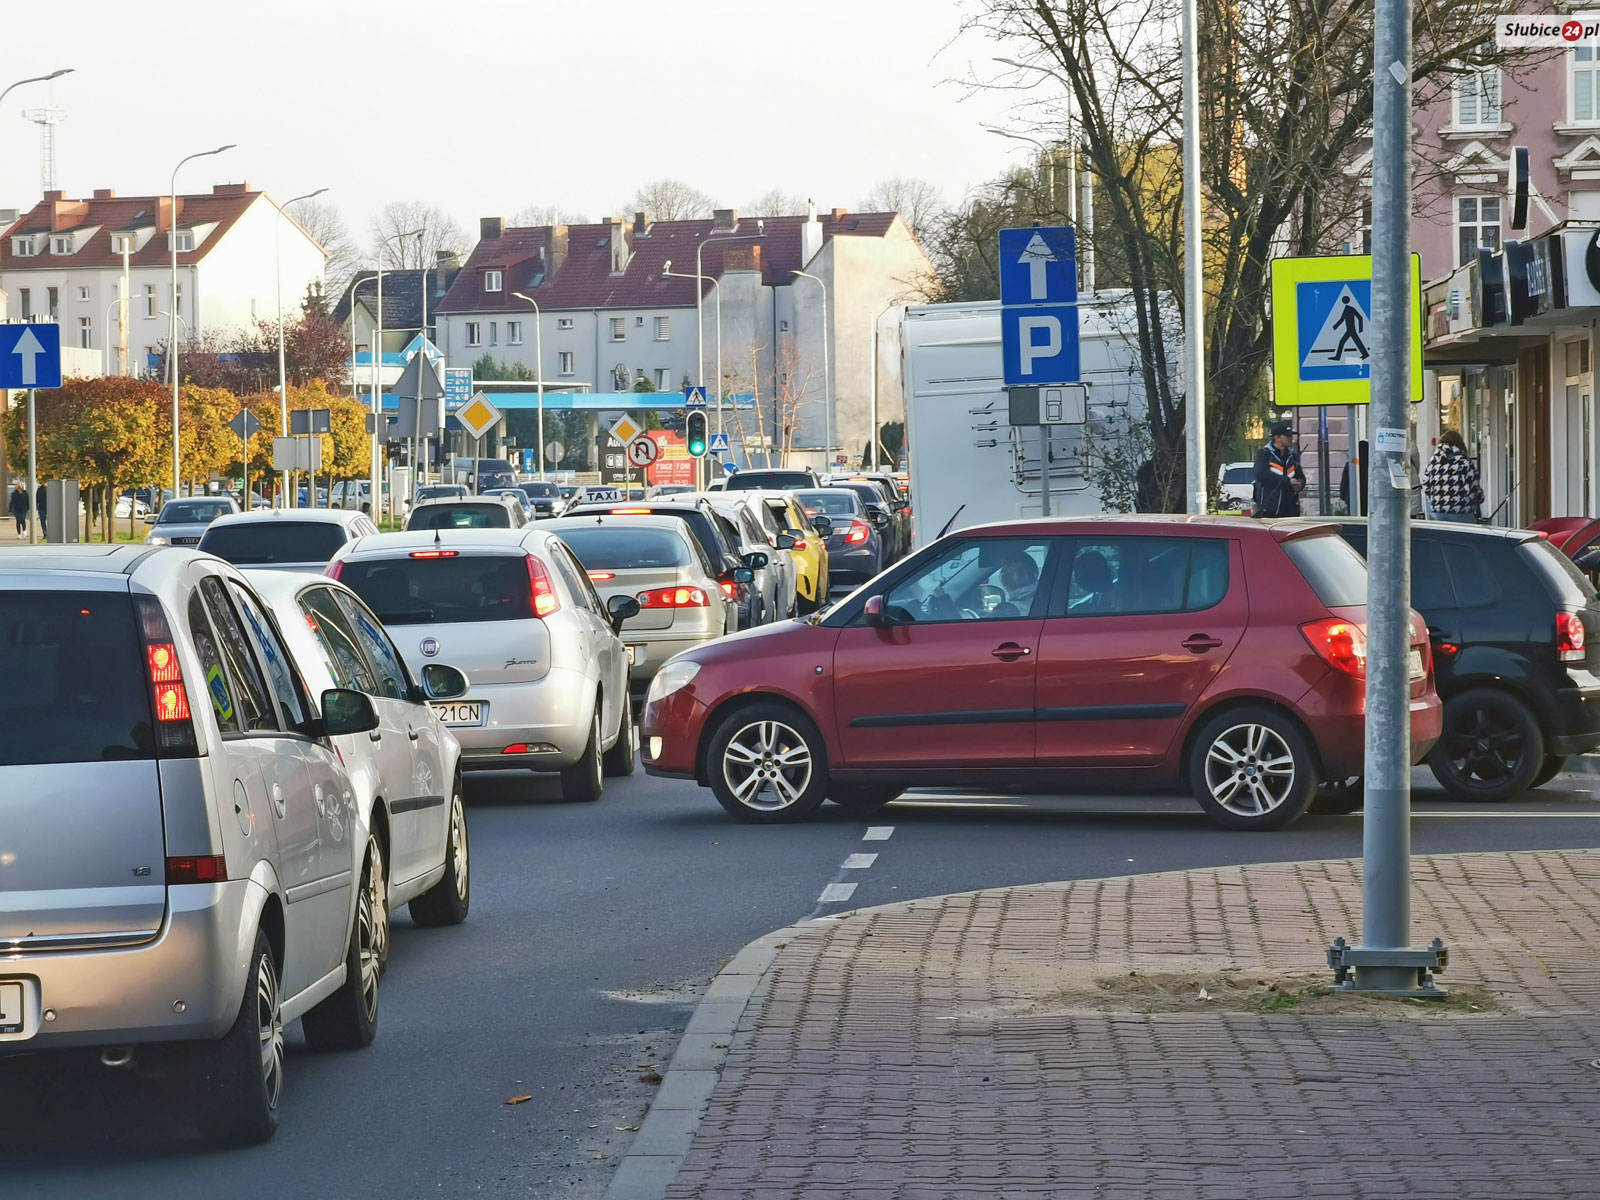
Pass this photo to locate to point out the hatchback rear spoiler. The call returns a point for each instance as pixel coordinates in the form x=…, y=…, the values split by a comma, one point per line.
x=1290, y=530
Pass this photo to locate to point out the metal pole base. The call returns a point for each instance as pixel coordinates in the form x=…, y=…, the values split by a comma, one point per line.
x=1388, y=972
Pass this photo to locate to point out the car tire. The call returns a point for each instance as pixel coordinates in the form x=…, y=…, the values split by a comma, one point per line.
x=348, y=1019
x=240, y=1078
x=1491, y=749
x=1549, y=770
x=862, y=798
x=1339, y=797
x=623, y=757
x=447, y=902
x=743, y=762
x=1252, y=769
x=583, y=781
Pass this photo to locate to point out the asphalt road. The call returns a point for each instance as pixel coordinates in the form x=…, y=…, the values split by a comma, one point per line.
x=592, y=930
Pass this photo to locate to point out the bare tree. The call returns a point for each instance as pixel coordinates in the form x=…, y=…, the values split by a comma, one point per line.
x=776, y=203
x=439, y=232
x=917, y=200
x=793, y=381
x=326, y=224
x=671, y=200
x=533, y=216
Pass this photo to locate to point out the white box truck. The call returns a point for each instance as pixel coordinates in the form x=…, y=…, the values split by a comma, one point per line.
x=964, y=453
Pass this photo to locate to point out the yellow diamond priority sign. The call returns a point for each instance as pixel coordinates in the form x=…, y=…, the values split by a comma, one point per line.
x=478, y=416
x=626, y=429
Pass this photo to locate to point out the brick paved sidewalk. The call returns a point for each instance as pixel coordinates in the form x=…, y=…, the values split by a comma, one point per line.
x=927, y=1052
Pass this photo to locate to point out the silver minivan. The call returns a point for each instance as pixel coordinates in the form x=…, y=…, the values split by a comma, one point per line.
x=177, y=853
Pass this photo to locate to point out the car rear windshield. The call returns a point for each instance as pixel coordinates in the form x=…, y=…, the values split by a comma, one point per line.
x=192, y=513
x=1239, y=475
x=448, y=491
x=832, y=504
x=264, y=543
x=75, y=688
x=1335, y=572
x=775, y=480
x=618, y=548
x=1568, y=585
x=460, y=516
x=543, y=490
x=426, y=591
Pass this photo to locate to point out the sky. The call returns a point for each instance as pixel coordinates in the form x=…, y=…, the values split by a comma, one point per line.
x=483, y=107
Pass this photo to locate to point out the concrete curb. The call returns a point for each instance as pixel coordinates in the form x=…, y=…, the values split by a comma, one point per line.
x=668, y=1129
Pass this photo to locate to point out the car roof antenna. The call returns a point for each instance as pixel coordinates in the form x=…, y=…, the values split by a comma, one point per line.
x=435, y=535
x=949, y=523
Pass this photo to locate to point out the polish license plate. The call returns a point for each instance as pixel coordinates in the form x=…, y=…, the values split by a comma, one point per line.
x=1414, y=664
x=460, y=712
x=10, y=1007
x=633, y=655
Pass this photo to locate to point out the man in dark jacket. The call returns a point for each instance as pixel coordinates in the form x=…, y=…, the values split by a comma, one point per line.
x=19, y=507
x=1279, y=479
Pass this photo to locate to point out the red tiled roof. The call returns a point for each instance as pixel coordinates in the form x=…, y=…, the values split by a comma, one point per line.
x=585, y=279
x=126, y=213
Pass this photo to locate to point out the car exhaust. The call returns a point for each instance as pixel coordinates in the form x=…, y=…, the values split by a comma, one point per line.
x=117, y=1056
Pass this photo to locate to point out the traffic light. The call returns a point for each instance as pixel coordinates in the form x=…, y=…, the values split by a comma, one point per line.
x=695, y=433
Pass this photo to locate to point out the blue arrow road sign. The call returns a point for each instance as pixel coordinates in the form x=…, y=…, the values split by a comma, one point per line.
x=694, y=397
x=1039, y=344
x=1038, y=266
x=30, y=356
x=719, y=443
x=1334, y=341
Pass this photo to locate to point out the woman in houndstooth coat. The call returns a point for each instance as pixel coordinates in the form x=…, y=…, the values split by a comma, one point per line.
x=1450, y=484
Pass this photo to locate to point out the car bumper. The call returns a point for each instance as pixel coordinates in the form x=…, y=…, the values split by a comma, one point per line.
x=852, y=563
x=651, y=651
x=183, y=986
x=550, y=716
x=1335, y=712
x=1576, y=720
x=669, y=735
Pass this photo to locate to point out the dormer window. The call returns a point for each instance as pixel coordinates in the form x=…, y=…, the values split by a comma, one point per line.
x=185, y=239
x=123, y=243
x=23, y=247
x=491, y=281
x=61, y=245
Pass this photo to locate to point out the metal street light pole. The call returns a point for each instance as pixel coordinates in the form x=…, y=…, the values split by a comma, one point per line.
x=1045, y=153
x=172, y=340
x=11, y=87
x=716, y=294
x=827, y=377
x=699, y=314
x=283, y=374
x=538, y=354
x=872, y=441
x=1194, y=300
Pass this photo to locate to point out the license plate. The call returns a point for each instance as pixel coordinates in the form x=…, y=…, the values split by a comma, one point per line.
x=460, y=712
x=10, y=1007
x=1414, y=664
x=633, y=655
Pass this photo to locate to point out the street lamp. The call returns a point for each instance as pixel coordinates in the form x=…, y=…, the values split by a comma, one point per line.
x=172, y=341
x=716, y=293
x=377, y=362
x=699, y=313
x=872, y=441
x=1049, y=172
x=538, y=358
x=827, y=380
x=283, y=374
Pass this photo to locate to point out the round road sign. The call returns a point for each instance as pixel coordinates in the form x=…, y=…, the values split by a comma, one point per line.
x=643, y=451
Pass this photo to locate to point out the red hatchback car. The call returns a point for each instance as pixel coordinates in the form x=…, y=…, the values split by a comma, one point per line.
x=1114, y=653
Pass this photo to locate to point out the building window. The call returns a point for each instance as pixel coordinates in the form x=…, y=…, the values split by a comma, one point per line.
x=53, y=301
x=177, y=299
x=149, y=300
x=85, y=330
x=1477, y=226
x=513, y=333
x=564, y=360
x=663, y=328
x=1584, y=68
x=494, y=333
x=663, y=379
x=1477, y=98
x=83, y=293
x=25, y=295
x=474, y=333
x=563, y=322
x=185, y=240
x=122, y=242
x=61, y=245
x=491, y=281
x=638, y=322
x=619, y=329
x=1361, y=241
x=23, y=247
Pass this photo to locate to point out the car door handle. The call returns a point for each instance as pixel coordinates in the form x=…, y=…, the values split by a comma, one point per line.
x=375, y=735
x=1199, y=643
x=1010, y=652
x=411, y=732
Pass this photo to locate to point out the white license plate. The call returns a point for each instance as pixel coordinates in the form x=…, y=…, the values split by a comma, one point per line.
x=460, y=712
x=1414, y=663
x=633, y=655
x=10, y=1007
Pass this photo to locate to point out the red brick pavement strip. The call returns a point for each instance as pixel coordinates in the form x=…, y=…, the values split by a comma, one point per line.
x=900, y=1053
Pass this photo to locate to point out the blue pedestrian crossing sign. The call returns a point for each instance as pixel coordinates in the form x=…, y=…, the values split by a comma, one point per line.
x=1322, y=336
x=719, y=443
x=694, y=397
x=30, y=356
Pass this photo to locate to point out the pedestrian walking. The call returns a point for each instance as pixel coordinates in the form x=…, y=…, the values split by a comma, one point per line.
x=18, y=504
x=1279, y=479
x=38, y=504
x=1450, y=485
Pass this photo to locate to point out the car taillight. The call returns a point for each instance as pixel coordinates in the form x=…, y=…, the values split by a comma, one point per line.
x=1341, y=644
x=1569, y=637
x=545, y=599
x=210, y=868
x=602, y=576
x=434, y=553
x=673, y=597
x=799, y=542
x=859, y=532
x=174, y=721
x=335, y=570
x=728, y=589
x=630, y=512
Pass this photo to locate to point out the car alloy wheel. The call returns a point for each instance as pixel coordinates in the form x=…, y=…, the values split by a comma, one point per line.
x=372, y=929
x=269, y=1022
x=767, y=765
x=1492, y=748
x=1486, y=746
x=1250, y=770
x=458, y=845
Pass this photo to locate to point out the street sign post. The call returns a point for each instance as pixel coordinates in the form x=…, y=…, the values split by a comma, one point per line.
x=1322, y=330
x=694, y=397
x=478, y=416
x=30, y=356
x=718, y=444
x=244, y=425
x=643, y=451
x=626, y=429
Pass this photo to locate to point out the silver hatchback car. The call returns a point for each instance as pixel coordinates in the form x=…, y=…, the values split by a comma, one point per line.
x=513, y=610
x=177, y=859
x=285, y=539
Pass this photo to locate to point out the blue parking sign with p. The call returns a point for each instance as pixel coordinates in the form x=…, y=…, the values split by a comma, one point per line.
x=1039, y=305
x=1039, y=343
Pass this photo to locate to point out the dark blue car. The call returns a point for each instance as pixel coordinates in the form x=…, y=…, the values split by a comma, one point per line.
x=857, y=537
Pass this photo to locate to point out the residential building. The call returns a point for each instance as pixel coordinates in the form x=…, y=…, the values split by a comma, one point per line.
x=65, y=261
x=411, y=299
x=615, y=309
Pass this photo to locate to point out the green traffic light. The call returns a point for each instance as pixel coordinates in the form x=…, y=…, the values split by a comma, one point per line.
x=694, y=429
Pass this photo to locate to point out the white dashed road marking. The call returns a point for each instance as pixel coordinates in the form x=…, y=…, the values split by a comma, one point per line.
x=878, y=833
x=836, y=893
x=858, y=862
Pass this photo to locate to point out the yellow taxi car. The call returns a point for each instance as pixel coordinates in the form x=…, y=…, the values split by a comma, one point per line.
x=810, y=551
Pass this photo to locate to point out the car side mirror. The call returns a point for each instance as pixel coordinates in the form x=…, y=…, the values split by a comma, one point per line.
x=823, y=525
x=440, y=682
x=785, y=541
x=873, y=612
x=755, y=560
x=743, y=575
x=877, y=516
x=149, y=518
x=621, y=608
x=345, y=711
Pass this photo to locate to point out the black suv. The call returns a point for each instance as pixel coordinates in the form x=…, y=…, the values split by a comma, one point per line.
x=1516, y=641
